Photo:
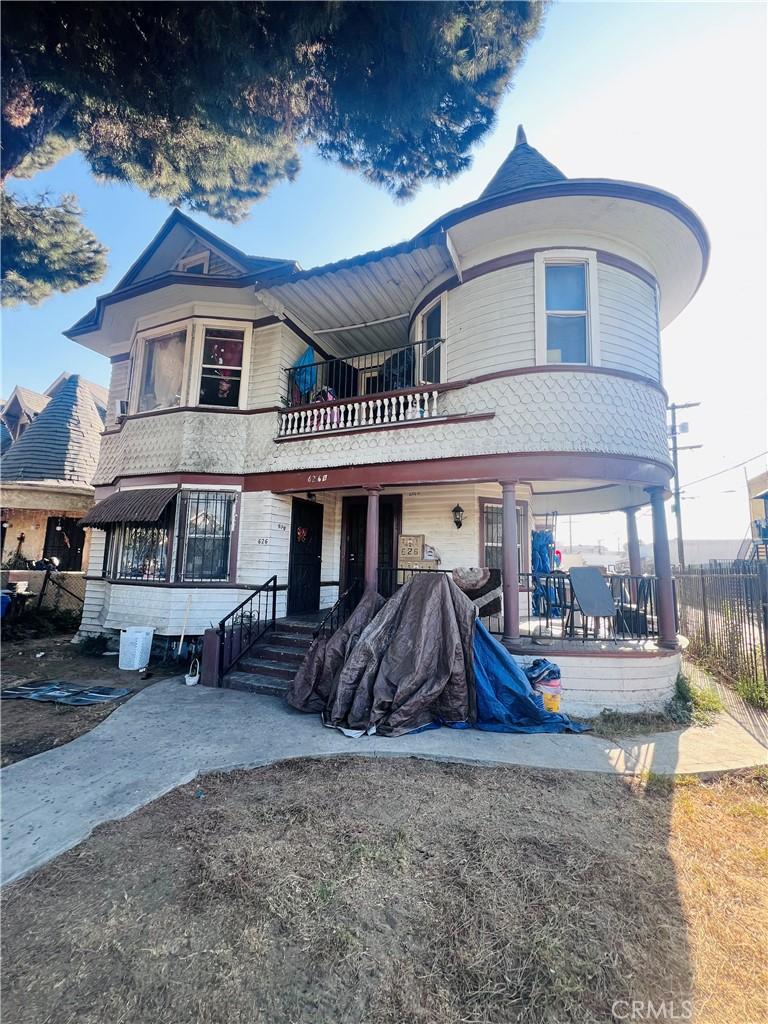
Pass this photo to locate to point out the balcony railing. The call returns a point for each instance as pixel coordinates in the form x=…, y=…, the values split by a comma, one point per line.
x=549, y=610
x=369, y=373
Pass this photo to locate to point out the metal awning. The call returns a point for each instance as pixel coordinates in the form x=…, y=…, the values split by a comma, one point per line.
x=143, y=505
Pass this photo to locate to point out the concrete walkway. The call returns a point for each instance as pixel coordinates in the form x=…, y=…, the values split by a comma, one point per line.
x=169, y=733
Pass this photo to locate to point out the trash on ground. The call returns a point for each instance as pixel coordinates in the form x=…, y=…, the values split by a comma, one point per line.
x=71, y=694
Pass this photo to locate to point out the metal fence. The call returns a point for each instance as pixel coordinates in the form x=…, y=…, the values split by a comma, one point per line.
x=723, y=613
x=43, y=590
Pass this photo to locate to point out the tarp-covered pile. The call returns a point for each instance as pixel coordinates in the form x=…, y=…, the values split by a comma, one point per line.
x=419, y=660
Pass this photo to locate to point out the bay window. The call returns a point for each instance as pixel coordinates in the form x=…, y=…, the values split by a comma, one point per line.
x=205, y=533
x=139, y=551
x=195, y=362
x=162, y=371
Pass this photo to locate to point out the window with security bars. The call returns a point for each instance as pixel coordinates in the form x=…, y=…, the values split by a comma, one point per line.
x=139, y=551
x=205, y=534
x=222, y=370
x=492, y=535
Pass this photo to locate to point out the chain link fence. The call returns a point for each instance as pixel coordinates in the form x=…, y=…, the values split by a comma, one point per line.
x=723, y=612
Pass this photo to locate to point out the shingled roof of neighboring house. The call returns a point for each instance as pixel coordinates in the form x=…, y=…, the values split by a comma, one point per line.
x=62, y=442
x=6, y=438
x=523, y=167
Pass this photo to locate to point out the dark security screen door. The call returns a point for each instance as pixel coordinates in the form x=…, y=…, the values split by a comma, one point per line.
x=305, y=557
x=65, y=544
x=354, y=520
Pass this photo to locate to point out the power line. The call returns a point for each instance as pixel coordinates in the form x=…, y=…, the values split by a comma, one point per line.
x=726, y=470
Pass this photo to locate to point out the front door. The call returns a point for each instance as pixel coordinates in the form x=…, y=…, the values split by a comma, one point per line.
x=305, y=557
x=354, y=522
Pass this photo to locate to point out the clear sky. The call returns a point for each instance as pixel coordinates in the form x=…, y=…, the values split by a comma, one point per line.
x=673, y=95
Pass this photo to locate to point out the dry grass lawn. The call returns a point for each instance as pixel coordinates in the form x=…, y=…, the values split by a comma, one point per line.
x=401, y=892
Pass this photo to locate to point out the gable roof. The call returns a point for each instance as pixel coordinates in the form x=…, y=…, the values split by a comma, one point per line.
x=62, y=442
x=29, y=400
x=523, y=167
x=243, y=262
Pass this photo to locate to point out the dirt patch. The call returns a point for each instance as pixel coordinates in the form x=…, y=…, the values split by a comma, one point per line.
x=29, y=727
x=399, y=892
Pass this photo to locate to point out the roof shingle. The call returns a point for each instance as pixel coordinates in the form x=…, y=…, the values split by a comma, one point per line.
x=62, y=442
x=523, y=167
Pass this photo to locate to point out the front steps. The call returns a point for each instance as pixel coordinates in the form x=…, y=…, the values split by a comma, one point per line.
x=272, y=663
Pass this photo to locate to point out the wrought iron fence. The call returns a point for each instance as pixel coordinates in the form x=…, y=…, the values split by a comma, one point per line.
x=723, y=612
x=370, y=373
x=245, y=625
x=549, y=609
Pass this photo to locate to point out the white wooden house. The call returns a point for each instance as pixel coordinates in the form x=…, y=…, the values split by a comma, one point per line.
x=266, y=420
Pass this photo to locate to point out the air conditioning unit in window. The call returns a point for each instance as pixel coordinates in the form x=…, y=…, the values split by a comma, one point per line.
x=120, y=409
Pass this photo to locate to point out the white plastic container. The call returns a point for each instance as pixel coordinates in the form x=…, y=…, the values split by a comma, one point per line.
x=135, y=647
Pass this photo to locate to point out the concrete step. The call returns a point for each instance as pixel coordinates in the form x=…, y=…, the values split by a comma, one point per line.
x=252, y=683
x=253, y=665
x=300, y=640
x=281, y=655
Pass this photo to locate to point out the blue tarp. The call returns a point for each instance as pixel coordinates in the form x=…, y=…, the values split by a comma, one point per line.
x=306, y=374
x=506, y=701
x=542, y=550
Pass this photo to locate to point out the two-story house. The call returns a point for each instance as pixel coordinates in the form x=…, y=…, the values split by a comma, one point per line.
x=503, y=364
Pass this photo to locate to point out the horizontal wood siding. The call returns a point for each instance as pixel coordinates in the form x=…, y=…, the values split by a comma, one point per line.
x=629, y=326
x=491, y=323
x=274, y=348
x=118, y=388
x=92, y=620
x=217, y=266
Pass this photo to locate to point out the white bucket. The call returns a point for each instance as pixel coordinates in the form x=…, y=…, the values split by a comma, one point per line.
x=135, y=647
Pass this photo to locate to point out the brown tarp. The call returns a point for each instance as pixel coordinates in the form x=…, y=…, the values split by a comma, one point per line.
x=410, y=667
x=314, y=682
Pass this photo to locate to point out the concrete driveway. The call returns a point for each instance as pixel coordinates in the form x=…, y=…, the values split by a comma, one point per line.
x=169, y=733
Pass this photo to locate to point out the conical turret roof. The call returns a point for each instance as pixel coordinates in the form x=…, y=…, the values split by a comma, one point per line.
x=62, y=442
x=525, y=166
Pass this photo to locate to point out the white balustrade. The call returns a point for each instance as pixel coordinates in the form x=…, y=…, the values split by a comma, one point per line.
x=359, y=413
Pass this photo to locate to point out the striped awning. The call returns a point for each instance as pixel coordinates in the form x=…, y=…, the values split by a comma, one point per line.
x=144, y=505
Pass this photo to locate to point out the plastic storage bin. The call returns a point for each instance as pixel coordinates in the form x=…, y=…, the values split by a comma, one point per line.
x=135, y=647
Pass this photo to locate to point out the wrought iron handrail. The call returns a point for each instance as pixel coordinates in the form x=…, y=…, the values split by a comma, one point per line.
x=411, y=366
x=341, y=611
x=245, y=625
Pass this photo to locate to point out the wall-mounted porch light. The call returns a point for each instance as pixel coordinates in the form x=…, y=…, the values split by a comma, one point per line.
x=458, y=516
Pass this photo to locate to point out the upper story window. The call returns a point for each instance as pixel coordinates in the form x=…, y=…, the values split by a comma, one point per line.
x=431, y=338
x=196, y=362
x=566, y=307
x=222, y=367
x=162, y=371
x=197, y=264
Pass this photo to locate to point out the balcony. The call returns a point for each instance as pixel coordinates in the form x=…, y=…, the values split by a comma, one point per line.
x=369, y=390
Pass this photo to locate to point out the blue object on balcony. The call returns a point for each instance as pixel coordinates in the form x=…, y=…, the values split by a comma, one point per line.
x=305, y=377
x=545, y=603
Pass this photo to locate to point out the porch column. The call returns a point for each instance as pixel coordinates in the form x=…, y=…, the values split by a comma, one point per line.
x=663, y=569
x=372, y=539
x=509, y=580
x=633, y=549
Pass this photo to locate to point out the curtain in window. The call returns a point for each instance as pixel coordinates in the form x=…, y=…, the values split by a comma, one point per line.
x=163, y=371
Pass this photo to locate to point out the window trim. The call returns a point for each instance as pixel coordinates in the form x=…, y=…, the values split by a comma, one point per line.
x=523, y=511
x=195, y=327
x=587, y=257
x=203, y=257
x=421, y=321
x=200, y=325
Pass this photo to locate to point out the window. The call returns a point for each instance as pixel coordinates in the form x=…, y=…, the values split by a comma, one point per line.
x=222, y=367
x=492, y=534
x=162, y=371
x=205, y=530
x=139, y=551
x=196, y=264
x=431, y=336
x=566, y=309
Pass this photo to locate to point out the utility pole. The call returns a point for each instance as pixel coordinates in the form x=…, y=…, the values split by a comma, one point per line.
x=674, y=431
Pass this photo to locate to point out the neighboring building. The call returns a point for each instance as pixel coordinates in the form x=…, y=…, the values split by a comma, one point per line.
x=47, y=476
x=24, y=404
x=697, y=552
x=265, y=419
x=757, y=487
